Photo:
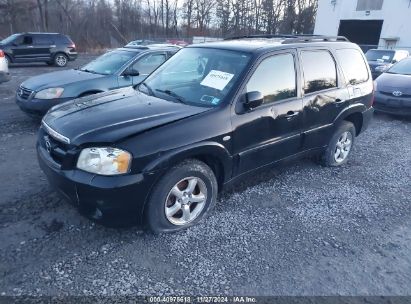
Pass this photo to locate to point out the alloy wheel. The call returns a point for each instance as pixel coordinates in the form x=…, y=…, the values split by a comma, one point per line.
x=61, y=60
x=343, y=147
x=185, y=201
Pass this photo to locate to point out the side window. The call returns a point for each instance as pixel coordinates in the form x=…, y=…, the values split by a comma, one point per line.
x=27, y=40
x=275, y=78
x=319, y=70
x=149, y=63
x=352, y=65
x=42, y=40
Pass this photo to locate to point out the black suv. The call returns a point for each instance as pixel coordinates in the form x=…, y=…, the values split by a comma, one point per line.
x=52, y=48
x=213, y=112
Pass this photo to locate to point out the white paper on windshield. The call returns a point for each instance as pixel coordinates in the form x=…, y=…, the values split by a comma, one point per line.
x=217, y=79
x=386, y=57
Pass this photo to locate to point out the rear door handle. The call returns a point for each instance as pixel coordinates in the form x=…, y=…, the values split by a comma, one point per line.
x=291, y=114
x=338, y=100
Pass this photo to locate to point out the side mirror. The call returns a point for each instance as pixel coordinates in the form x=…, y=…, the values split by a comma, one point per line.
x=253, y=100
x=394, y=61
x=131, y=72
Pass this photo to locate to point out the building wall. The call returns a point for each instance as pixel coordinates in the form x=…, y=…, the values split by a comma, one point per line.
x=395, y=13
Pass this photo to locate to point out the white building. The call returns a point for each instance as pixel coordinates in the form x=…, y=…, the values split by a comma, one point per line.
x=370, y=23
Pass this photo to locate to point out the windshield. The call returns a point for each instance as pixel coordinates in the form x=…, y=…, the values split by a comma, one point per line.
x=402, y=67
x=380, y=55
x=197, y=76
x=9, y=39
x=109, y=63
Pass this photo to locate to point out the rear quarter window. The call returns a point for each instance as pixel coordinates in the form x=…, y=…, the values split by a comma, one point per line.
x=353, y=65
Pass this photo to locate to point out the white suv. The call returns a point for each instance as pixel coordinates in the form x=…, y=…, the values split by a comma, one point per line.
x=4, y=68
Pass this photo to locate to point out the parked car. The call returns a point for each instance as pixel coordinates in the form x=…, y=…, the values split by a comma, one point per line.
x=51, y=48
x=393, y=94
x=381, y=60
x=213, y=112
x=119, y=68
x=140, y=42
x=4, y=68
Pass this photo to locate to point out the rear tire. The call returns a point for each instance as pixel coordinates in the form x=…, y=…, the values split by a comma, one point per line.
x=339, y=146
x=60, y=60
x=181, y=198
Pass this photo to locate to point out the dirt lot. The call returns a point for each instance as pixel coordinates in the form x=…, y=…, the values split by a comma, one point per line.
x=300, y=229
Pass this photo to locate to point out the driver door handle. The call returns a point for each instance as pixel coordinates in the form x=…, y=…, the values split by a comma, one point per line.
x=291, y=114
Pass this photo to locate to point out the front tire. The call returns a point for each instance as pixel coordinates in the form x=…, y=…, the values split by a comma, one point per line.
x=340, y=145
x=182, y=197
x=60, y=60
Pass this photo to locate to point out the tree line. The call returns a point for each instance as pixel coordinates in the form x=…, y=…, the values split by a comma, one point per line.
x=109, y=23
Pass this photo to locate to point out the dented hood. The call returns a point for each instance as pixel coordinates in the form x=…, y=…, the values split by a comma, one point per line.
x=112, y=116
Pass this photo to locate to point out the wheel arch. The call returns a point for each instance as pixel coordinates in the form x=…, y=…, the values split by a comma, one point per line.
x=354, y=115
x=213, y=154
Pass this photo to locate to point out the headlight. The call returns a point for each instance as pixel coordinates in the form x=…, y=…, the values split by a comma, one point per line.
x=104, y=161
x=382, y=68
x=50, y=93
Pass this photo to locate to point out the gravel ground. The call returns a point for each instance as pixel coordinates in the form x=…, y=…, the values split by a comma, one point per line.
x=299, y=229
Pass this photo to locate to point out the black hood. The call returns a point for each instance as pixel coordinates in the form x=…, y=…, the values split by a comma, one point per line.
x=111, y=116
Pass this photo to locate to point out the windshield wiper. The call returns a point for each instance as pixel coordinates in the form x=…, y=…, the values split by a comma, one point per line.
x=149, y=89
x=173, y=94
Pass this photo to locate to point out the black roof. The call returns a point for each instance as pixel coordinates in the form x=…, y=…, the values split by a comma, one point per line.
x=253, y=43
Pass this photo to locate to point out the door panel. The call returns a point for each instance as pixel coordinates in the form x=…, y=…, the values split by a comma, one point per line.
x=23, y=49
x=42, y=46
x=267, y=134
x=325, y=95
x=271, y=131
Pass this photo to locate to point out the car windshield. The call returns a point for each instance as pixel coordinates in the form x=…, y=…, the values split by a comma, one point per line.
x=197, y=76
x=109, y=63
x=380, y=55
x=402, y=67
x=9, y=39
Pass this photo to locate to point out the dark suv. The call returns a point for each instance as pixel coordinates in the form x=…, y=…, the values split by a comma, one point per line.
x=52, y=48
x=212, y=113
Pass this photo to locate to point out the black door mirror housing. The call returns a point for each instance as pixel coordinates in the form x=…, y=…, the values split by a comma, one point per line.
x=131, y=72
x=253, y=100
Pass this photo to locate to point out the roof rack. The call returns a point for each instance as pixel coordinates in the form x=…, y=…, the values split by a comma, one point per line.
x=314, y=38
x=287, y=39
x=261, y=36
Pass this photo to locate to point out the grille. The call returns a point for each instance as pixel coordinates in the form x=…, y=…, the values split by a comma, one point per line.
x=391, y=95
x=24, y=93
x=57, y=150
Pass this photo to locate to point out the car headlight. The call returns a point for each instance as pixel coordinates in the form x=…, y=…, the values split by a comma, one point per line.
x=382, y=68
x=49, y=93
x=104, y=161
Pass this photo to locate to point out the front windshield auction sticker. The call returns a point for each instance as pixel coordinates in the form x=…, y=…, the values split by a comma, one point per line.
x=217, y=79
